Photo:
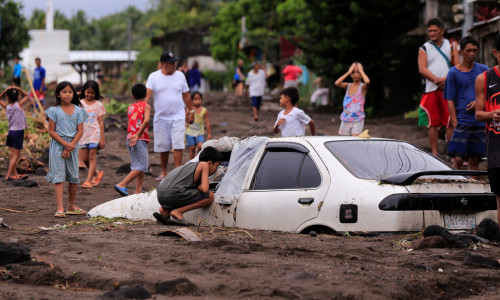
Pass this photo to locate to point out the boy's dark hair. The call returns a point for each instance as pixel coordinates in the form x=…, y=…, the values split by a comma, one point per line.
x=497, y=42
x=13, y=95
x=196, y=93
x=292, y=93
x=435, y=21
x=468, y=40
x=93, y=85
x=210, y=154
x=60, y=86
x=139, y=91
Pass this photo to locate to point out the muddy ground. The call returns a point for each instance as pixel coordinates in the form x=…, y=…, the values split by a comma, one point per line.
x=84, y=259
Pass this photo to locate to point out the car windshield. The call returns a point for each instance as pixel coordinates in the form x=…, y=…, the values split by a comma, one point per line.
x=376, y=159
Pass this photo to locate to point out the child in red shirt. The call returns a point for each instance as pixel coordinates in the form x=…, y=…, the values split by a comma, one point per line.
x=137, y=139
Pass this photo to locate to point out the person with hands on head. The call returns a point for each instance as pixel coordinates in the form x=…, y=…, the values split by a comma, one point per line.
x=353, y=115
x=435, y=58
x=17, y=124
x=488, y=110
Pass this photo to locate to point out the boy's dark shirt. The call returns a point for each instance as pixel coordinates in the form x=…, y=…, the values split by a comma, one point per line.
x=492, y=97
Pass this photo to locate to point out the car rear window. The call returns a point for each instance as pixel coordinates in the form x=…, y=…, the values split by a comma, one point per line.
x=376, y=159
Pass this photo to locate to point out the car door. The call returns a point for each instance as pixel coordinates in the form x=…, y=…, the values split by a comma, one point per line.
x=287, y=188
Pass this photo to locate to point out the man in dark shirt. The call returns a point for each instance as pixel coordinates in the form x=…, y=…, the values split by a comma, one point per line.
x=488, y=110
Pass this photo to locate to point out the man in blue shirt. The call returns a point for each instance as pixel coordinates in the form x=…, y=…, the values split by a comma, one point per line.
x=39, y=81
x=16, y=75
x=467, y=141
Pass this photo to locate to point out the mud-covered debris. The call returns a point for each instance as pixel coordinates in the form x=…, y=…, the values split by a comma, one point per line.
x=179, y=286
x=302, y=275
x=128, y=292
x=429, y=242
x=481, y=261
x=11, y=253
x=182, y=232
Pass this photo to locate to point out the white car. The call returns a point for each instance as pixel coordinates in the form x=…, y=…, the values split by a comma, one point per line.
x=332, y=183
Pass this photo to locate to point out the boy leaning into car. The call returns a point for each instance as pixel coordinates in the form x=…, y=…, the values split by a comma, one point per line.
x=187, y=187
x=488, y=110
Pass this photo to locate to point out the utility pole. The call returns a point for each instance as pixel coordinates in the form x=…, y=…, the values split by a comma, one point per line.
x=129, y=42
x=468, y=17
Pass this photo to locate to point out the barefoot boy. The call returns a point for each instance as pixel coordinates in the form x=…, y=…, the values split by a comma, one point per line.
x=186, y=187
x=137, y=139
x=292, y=121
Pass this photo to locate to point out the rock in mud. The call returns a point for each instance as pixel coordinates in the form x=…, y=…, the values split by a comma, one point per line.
x=179, y=286
x=123, y=169
x=128, y=292
x=489, y=230
x=23, y=183
x=11, y=253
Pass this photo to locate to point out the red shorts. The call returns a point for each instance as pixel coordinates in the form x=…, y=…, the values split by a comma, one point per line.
x=436, y=108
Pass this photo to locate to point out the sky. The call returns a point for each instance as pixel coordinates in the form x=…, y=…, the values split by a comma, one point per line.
x=93, y=8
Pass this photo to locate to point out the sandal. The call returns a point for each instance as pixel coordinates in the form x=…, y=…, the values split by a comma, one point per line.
x=121, y=190
x=97, y=180
x=159, y=178
x=60, y=214
x=77, y=211
x=18, y=177
x=87, y=185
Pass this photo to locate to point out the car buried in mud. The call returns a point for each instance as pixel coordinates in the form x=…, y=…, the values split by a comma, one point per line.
x=331, y=183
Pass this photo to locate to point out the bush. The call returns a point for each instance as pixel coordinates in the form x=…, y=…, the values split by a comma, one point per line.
x=115, y=107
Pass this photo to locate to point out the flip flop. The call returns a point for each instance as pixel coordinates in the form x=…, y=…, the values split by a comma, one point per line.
x=87, y=185
x=121, y=191
x=17, y=177
x=60, y=214
x=97, y=180
x=161, y=218
x=77, y=211
x=159, y=178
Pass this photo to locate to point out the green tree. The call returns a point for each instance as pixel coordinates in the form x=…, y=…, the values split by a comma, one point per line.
x=336, y=33
x=261, y=23
x=14, y=33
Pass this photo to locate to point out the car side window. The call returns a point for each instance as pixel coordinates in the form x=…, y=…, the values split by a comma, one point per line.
x=309, y=174
x=286, y=169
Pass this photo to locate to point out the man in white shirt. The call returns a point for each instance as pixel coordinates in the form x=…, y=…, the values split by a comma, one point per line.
x=256, y=82
x=170, y=91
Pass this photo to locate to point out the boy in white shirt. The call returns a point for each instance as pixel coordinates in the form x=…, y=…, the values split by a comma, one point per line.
x=292, y=121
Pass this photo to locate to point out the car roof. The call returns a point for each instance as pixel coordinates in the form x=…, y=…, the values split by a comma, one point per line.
x=325, y=138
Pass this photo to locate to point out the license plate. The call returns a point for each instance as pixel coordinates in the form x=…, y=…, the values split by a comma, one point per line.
x=460, y=221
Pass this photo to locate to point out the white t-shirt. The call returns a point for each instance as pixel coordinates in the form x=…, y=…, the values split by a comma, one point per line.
x=295, y=124
x=256, y=83
x=167, y=92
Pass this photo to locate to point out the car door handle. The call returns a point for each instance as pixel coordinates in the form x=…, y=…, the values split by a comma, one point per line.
x=306, y=200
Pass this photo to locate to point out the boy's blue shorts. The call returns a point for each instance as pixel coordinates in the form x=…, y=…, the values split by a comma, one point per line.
x=467, y=141
x=194, y=140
